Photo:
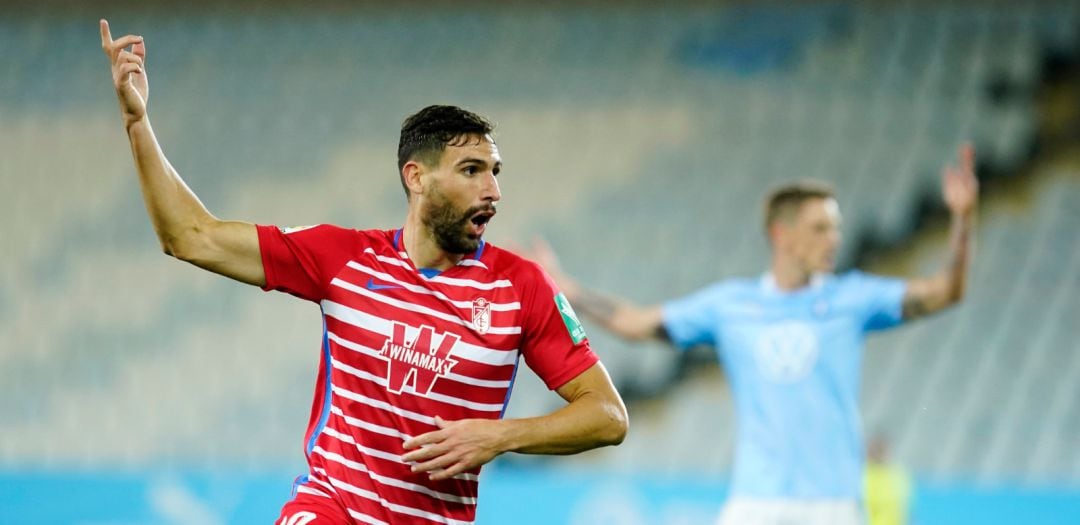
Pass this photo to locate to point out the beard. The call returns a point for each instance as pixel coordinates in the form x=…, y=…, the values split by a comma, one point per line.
x=450, y=225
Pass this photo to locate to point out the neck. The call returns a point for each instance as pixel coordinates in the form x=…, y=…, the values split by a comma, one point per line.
x=788, y=275
x=419, y=242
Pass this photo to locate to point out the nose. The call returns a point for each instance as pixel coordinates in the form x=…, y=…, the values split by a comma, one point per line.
x=490, y=188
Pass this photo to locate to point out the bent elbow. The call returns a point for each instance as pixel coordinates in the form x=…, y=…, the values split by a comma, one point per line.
x=176, y=250
x=956, y=294
x=186, y=245
x=617, y=426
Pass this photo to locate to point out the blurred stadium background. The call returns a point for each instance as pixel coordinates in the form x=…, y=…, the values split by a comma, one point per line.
x=638, y=139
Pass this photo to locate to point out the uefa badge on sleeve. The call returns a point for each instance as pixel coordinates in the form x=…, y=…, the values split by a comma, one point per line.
x=481, y=315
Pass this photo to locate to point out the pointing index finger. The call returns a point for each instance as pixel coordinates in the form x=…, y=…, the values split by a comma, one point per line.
x=106, y=36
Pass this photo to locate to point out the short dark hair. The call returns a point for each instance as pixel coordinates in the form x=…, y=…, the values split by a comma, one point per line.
x=783, y=201
x=426, y=133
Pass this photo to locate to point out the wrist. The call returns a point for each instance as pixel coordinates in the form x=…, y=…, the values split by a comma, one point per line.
x=964, y=216
x=130, y=121
x=511, y=436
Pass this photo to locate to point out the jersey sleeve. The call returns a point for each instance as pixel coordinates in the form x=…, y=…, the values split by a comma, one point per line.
x=880, y=298
x=302, y=261
x=554, y=343
x=692, y=320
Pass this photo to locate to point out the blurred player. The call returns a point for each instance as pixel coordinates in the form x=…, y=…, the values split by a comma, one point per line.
x=790, y=343
x=887, y=486
x=423, y=325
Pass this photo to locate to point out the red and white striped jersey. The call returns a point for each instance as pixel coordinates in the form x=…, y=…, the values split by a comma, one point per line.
x=403, y=345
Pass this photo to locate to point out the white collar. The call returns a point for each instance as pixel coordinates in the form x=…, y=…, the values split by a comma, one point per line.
x=768, y=284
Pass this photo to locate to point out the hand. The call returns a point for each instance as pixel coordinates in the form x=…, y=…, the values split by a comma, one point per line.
x=129, y=77
x=959, y=186
x=456, y=447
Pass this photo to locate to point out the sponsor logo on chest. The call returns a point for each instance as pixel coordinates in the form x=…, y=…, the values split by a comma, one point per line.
x=418, y=362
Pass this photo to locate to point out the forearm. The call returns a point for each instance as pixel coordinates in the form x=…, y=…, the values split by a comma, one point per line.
x=950, y=281
x=620, y=317
x=947, y=287
x=955, y=270
x=174, y=209
x=587, y=423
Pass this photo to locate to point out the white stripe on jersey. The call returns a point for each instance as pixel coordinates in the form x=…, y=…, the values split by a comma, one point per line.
x=477, y=382
x=495, y=307
x=472, y=262
x=383, y=405
x=389, y=260
x=450, y=400
x=371, y=352
x=392, y=482
x=469, y=283
x=405, y=305
x=322, y=483
x=370, y=427
x=377, y=324
x=365, y=518
x=382, y=454
x=394, y=507
x=304, y=489
x=367, y=451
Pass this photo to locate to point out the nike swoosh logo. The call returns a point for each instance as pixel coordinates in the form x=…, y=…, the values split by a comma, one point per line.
x=372, y=285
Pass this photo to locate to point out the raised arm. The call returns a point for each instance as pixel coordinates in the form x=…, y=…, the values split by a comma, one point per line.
x=184, y=227
x=960, y=189
x=594, y=416
x=619, y=316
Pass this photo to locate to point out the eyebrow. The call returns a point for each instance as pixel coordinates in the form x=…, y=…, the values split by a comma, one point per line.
x=475, y=160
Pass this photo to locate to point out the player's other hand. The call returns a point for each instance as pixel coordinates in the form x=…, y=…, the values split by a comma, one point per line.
x=959, y=186
x=458, y=446
x=129, y=75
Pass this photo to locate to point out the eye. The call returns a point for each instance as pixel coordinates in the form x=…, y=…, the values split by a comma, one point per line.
x=470, y=170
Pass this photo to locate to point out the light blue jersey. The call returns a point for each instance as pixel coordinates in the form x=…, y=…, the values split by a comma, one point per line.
x=793, y=361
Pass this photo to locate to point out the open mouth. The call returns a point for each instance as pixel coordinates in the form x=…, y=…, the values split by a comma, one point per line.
x=482, y=217
x=480, y=220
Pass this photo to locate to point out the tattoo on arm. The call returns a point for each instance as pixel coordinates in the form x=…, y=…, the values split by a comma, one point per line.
x=596, y=306
x=662, y=334
x=915, y=307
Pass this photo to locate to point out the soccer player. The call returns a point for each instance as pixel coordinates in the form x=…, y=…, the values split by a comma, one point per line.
x=424, y=325
x=790, y=342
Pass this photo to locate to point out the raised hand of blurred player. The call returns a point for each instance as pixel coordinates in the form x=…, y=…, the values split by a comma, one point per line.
x=543, y=254
x=959, y=186
x=457, y=446
x=129, y=75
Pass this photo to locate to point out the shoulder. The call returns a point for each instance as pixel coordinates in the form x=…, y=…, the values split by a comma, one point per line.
x=856, y=285
x=854, y=279
x=328, y=239
x=513, y=267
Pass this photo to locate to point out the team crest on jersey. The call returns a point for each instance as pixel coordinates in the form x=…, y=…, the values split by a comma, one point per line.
x=419, y=362
x=481, y=315
x=787, y=352
x=294, y=229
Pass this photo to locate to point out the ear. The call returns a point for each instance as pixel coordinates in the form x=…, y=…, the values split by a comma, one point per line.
x=777, y=231
x=412, y=173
